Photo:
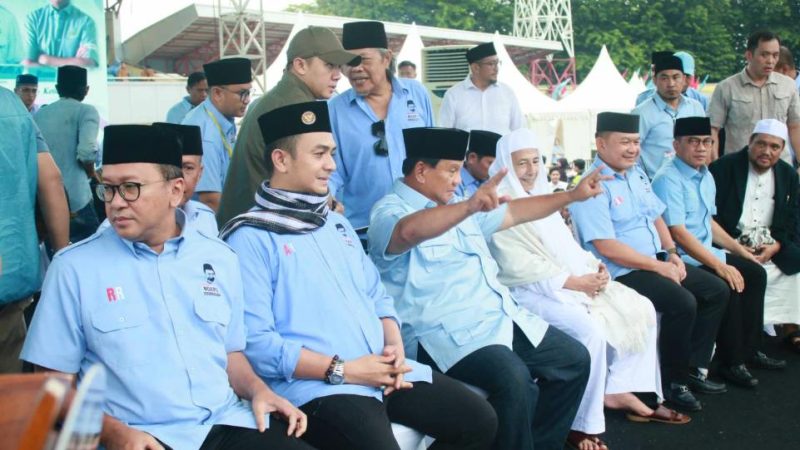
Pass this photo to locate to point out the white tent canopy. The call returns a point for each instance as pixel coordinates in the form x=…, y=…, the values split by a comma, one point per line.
x=603, y=89
x=637, y=83
x=412, y=50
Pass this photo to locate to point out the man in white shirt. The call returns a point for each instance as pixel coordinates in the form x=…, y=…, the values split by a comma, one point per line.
x=480, y=101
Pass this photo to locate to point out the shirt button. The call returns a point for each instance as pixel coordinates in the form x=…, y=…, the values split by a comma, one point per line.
x=122, y=319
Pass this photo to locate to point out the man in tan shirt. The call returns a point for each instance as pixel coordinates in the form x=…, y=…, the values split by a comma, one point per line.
x=755, y=93
x=314, y=56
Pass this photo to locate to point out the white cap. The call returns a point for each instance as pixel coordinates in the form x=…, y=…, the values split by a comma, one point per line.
x=772, y=127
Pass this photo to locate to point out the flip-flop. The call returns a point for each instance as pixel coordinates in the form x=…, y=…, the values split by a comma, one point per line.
x=576, y=437
x=662, y=414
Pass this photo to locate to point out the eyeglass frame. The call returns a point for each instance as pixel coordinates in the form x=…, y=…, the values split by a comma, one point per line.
x=707, y=142
x=101, y=189
x=381, y=146
x=243, y=94
x=498, y=63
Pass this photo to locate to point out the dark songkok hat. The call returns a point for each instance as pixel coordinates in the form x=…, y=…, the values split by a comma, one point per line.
x=27, y=79
x=655, y=56
x=484, y=143
x=693, y=126
x=364, y=35
x=71, y=76
x=308, y=117
x=670, y=62
x=481, y=51
x=140, y=144
x=619, y=122
x=228, y=71
x=436, y=143
x=189, y=135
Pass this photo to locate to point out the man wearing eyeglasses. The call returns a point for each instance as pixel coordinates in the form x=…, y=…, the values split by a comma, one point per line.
x=687, y=189
x=481, y=102
x=170, y=334
x=657, y=114
x=368, y=122
x=229, y=82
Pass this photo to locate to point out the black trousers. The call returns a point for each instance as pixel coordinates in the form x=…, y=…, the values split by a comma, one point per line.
x=740, y=331
x=690, y=316
x=227, y=437
x=445, y=410
x=535, y=391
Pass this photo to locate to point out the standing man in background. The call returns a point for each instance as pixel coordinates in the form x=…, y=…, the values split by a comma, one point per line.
x=407, y=69
x=229, y=82
x=26, y=88
x=70, y=127
x=197, y=88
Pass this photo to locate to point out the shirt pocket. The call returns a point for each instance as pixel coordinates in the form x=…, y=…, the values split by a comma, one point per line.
x=742, y=109
x=691, y=202
x=623, y=211
x=214, y=312
x=435, y=253
x=781, y=102
x=464, y=334
x=122, y=335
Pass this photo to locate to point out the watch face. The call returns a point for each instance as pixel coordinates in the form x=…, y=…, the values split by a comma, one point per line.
x=335, y=378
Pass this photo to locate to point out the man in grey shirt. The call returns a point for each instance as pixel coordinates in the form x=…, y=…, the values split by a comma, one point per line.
x=70, y=129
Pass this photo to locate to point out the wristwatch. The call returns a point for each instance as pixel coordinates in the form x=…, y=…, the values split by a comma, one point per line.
x=671, y=251
x=335, y=373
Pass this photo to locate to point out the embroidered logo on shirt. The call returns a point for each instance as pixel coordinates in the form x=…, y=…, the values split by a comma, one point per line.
x=288, y=249
x=345, y=236
x=114, y=294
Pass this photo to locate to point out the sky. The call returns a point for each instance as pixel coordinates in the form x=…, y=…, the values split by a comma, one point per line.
x=135, y=15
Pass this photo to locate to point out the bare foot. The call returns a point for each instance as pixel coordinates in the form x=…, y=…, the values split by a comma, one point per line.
x=627, y=401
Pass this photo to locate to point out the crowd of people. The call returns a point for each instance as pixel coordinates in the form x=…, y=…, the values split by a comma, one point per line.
x=337, y=263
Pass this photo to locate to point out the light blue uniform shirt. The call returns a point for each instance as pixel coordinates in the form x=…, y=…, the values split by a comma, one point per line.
x=20, y=274
x=361, y=176
x=689, y=195
x=656, y=125
x=317, y=291
x=446, y=289
x=215, y=153
x=692, y=93
x=179, y=111
x=11, y=51
x=626, y=210
x=70, y=129
x=469, y=185
x=162, y=327
x=61, y=33
x=197, y=214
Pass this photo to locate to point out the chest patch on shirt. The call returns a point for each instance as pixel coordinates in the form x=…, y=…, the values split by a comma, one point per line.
x=412, y=111
x=115, y=294
x=211, y=276
x=618, y=200
x=288, y=249
x=345, y=237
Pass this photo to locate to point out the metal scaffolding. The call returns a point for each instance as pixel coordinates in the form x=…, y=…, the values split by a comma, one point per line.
x=551, y=20
x=243, y=34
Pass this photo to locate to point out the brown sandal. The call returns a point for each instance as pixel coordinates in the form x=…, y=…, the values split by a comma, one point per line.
x=662, y=414
x=575, y=438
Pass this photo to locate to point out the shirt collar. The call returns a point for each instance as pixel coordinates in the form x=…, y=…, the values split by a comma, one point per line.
x=745, y=79
x=608, y=171
x=411, y=196
x=467, y=178
x=663, y=105
x=224, y=122
x=136, y=247
x=470, y=85
x=65, y=10
x=687, y=170
x=399, y=89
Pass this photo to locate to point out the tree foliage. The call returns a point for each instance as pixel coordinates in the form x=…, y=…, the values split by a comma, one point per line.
x=714, y=31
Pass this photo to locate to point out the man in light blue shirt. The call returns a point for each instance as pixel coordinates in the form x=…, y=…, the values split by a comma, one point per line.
x=687, y=189
x=624, y=229
x=368, y=121
x=197, y=88
x=229, y=82
x=657, y=114
x=687, y=61
x=70, y=128
x=430, y=247
x=163, y=314
x=480, y=155
x=332, y=344
x=60, y=34
x=29, y=174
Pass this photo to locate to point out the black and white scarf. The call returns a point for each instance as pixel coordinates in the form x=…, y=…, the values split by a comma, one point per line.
x=282, y=212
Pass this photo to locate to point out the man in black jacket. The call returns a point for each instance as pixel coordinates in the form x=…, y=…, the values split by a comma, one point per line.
x=756, y=204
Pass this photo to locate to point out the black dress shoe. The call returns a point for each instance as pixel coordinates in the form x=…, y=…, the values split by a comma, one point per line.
x=701, y=384
x=680, y=397
x=763, y=361
x=739, y=375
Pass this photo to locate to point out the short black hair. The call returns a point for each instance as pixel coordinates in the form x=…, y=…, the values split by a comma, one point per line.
x=194, y=78
x=785, y=59
x=406, y=63
x=74, y=92
x=760, y=36
x=580, y=164
x=409, y=163
x=288, y=143
x=554, y=169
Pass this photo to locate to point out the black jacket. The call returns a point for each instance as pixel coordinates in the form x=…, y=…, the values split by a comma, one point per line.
x=730, y=176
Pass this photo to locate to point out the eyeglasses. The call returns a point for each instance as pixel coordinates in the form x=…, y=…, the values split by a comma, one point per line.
x=695, y=141
x=243, y=94
x=129, y=191
x=380, y=146
x=497, y=63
